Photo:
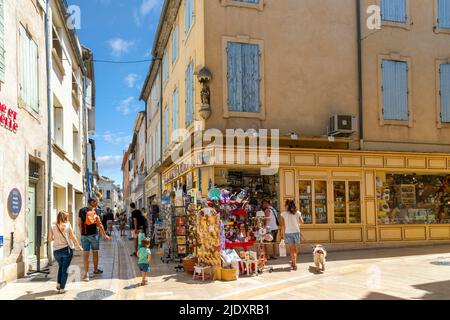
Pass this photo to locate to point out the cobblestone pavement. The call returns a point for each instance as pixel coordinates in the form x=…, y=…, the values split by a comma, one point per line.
x=398, y=273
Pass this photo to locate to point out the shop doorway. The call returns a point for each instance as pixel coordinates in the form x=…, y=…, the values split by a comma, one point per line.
x=31, y=220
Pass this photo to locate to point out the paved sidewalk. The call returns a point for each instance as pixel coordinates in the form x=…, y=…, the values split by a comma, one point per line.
x=398, y=273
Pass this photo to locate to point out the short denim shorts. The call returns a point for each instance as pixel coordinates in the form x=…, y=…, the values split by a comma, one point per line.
x=144, y=267
x=293, y=238
x=90, y=243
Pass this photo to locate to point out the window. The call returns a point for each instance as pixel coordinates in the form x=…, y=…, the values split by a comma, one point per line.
x=188, y=16
x=444, y=14
x=405, y=198
x=58, y=126
x=76, y=146
x=175, y=44
x=2, y=42
x=166, y=128
x=175, y=111
x=108, y=194
x=395, y=90
x=394, y=11
x=444, y=92
x=347, y=202
x=189, y=81
x=313, y=201
x=165, y=67
x=28, y=71
x=249, y=1
x=243, y=77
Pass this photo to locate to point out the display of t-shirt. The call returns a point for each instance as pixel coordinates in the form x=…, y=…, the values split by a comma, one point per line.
x=292, y=222
x=87, y=230
x=143, y=254
x=137, y=214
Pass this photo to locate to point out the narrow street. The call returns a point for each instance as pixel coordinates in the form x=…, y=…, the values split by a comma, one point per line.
x=400, y=273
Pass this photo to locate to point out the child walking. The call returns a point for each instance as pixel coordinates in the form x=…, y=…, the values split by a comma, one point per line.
x=141, y=236
x=144, y=256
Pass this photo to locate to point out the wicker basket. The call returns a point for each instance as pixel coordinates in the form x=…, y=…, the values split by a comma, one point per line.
x=189, y=265
x=229, y=274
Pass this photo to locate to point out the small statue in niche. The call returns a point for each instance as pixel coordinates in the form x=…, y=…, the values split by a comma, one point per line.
x=205, y=95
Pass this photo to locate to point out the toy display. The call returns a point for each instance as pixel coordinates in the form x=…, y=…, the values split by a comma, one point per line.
x=208, y=249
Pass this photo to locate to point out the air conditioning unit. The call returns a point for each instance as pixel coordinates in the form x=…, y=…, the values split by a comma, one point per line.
x=342, y=125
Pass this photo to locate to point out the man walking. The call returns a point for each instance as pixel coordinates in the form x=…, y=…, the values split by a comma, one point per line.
x=90, y=225
x=138, y=222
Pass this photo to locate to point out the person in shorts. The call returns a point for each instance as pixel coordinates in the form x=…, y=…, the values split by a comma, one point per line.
x=144, y=256
x=90, y=224
x=291, y=220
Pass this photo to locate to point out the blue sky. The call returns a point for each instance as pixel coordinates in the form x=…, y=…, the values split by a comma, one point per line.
x=119, y=30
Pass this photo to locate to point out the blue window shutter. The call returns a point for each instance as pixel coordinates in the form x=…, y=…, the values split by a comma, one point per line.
x=250, y=1
x=28, y=70
x=243, y=77
x=166, y=66
x=188, y=15
x=393, y=10
x=34, y=96
x=444, y=14
x=445, y=92
x=235, y=75
x=175, y=112
x=166, y=128
x=251, y=79
x=2, y=41
x=395, y=90
x=189, y=80
x=175, y=45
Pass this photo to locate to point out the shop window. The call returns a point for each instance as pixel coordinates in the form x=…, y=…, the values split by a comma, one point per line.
x=394, y=11
x=313, y=198
x=347, y=202
x=413, y=198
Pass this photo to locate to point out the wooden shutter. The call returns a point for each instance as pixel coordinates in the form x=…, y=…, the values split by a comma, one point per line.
x=189, y=81
x=445, y=92
x=175, y=44
x=250, y=1
x=444, y=14
x=393, y=10
x=243, y=77
x=175, y=112
x=29, y=85
x=395, y=90
x=166, y=128
x=2, y=41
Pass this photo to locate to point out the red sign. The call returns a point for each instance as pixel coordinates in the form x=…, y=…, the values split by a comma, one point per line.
x=8, y=118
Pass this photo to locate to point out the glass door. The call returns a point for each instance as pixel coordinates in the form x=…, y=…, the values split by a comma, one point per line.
x=320, y=202
x=31, y=220
x=354, y=197
x=340, y=202
x=306, y=204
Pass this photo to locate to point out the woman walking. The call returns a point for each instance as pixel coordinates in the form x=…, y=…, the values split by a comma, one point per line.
x=291, y=221
x=122, y=223
x=64, y=239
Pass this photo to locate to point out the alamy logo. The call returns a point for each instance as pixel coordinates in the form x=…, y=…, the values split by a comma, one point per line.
x=73, y=20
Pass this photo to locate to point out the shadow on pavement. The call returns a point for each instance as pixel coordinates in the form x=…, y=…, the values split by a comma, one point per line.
x=380, y=297
x=436, y=290
x=38, y=295
x=97, y=294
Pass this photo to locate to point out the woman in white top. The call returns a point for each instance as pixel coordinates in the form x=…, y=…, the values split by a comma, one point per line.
x=63, y=239
x=291, y=220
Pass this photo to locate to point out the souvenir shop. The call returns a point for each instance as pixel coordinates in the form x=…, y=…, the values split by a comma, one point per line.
x=219, y=234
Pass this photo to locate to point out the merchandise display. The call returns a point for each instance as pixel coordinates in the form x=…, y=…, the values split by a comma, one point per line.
x=208, y=226
x=413, y=198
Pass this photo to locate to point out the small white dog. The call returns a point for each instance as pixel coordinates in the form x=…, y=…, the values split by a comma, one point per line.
x=320, y=257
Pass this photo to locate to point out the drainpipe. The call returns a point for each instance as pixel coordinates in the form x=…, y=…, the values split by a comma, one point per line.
x=360, y=75
x=161, y=116
x=86, y=138
x=48, y=57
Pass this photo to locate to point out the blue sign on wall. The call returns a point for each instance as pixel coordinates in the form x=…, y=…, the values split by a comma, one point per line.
x=1, y=241
x=14, y=203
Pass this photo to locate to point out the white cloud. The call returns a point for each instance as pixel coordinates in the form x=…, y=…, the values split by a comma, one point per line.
x=117, y=138
x=131, y=80
x=110, y=166
x=120, y=46
x=148, y=5
x=125, y=106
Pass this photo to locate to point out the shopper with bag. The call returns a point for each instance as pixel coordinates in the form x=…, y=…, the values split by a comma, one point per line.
x=291, y=220
x=64, y=242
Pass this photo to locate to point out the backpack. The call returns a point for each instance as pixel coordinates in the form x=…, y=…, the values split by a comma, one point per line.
x=91, y=219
